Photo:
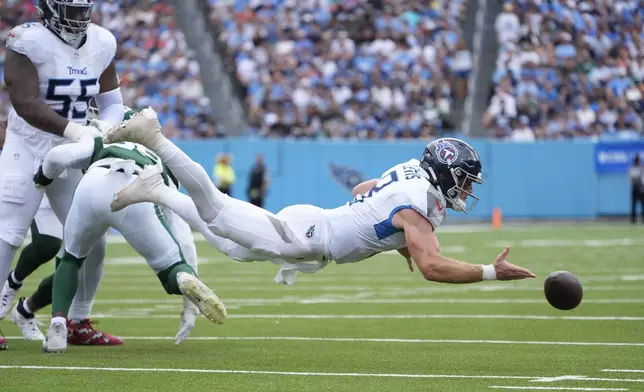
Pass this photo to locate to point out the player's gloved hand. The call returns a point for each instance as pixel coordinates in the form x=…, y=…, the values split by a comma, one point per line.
x=40, y=180
x=102, y=126
x=187, y=321
x=507, y=271
x=76, y=132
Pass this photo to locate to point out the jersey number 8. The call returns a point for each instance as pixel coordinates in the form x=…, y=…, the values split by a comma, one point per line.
x=68, y=104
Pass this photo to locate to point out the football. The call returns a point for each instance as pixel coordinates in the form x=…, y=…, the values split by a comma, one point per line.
x=563, y=290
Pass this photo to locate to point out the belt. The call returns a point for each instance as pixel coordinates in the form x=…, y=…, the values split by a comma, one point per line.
x=135, y=172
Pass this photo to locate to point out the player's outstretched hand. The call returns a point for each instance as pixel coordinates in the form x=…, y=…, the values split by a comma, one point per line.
x=507, y=271
x=187, y=321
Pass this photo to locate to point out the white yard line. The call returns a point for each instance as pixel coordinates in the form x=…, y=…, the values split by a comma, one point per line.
x=328, y=300
x=624, y=370
x=287, y=373
x=557, y=388
x=391, y=340
x=266, y=372
x=143, y=314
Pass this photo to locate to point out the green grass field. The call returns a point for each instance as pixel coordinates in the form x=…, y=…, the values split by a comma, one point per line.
x=371, y=326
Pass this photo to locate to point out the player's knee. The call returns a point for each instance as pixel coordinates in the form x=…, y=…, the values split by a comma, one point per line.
x=68, y=258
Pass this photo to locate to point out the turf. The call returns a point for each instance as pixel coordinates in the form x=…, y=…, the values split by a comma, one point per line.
x=370, y=326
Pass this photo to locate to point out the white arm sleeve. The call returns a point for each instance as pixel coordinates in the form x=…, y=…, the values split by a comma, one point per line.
x=110, y=106
x=73, y=155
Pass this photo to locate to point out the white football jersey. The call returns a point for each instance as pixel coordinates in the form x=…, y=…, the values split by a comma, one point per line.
x=363, y=227
x=68, y=77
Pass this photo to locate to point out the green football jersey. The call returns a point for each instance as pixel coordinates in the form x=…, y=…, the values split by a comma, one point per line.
x=141, y=155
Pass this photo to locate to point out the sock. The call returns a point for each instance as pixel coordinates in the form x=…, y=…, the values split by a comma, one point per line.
x=7, y=253
x=42, y=296
x=13, y=283
x=65, y=284
x=41, y=249
x=168, y=276
x=24, y=310
x=55, y=320
x=89, y=278
x=208, y=199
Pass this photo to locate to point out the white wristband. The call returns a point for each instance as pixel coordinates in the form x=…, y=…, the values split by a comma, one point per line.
x=489, y=273
x=73, y=131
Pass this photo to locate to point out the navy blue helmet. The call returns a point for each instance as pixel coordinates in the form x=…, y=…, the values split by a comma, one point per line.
x=453, y=166
x=68, y=19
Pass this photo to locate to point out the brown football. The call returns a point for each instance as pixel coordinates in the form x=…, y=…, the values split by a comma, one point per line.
x=563, y=290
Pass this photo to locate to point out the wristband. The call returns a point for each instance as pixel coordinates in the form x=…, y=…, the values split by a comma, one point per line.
x=41, y=179
x=489, y=273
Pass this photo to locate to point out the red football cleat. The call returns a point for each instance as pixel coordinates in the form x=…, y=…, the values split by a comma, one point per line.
x=82, y=333
x=3, y=342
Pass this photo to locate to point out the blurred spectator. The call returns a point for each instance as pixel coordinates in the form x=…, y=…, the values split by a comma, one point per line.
x=153, y=61
x=573, y=68
x=257, y=182
x=224, y=174
x=352, y=69
x=636, y=176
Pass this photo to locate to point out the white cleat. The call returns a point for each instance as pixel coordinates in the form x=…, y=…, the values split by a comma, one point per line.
x=199, y=294
x=143, y=128
x=6, y=298
x=56, y=341
x=147, y=187
x=28, y=326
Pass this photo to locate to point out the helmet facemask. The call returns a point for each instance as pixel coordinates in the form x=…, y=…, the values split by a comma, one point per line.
x=69, y=19
x=461, y=189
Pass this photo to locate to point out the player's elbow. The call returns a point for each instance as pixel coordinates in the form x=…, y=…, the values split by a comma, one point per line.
x=25, y=107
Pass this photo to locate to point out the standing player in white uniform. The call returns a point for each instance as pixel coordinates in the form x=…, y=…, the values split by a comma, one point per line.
x=46, y=240
x=108, y=168
x=52, y=69
x=401, y=211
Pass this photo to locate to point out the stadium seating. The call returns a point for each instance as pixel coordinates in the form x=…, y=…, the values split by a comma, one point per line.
x=568, y=69
x=153, y=61
x=355, y=69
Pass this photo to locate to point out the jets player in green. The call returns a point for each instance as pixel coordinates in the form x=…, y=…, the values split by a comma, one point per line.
x=109, y=168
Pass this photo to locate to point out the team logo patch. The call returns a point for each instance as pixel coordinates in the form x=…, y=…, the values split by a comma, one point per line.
x=345, y=176
x=310, y=232
x=446, y=152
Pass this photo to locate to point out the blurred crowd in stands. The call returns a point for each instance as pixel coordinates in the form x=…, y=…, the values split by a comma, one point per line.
x=568, y=69
x=354, y=68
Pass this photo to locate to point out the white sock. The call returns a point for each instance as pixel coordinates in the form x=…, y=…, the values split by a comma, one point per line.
x=13, y=277
x=55, y=320
x=89, y=278
x=25, y=307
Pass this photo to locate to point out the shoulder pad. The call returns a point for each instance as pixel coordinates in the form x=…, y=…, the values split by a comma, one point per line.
x=30, y=40
x=105, y=41
x=428, y=202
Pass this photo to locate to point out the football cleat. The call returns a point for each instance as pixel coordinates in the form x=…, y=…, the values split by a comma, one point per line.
x=6, y=298
x=143, y=128
x=28, y=326
x=56, y=341
x=205, y=299
x=147, y=187
x=82, y=333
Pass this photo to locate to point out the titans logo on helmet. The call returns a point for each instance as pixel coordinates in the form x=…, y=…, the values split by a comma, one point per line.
x=345, y=176
x=446, y=152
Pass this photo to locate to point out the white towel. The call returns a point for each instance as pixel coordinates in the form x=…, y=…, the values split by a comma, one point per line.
x=288, y=273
